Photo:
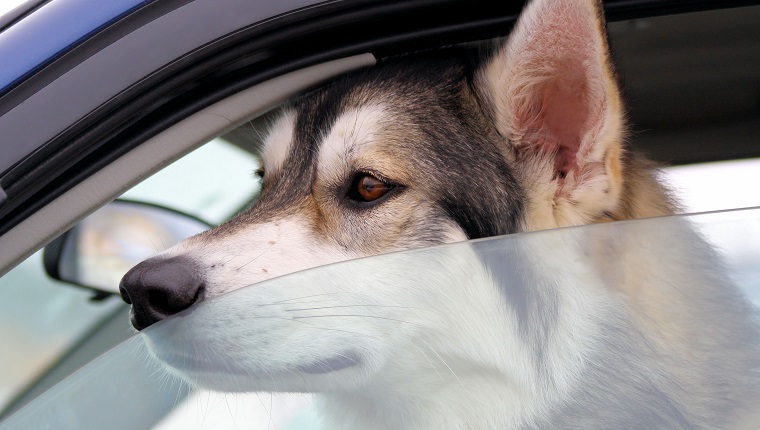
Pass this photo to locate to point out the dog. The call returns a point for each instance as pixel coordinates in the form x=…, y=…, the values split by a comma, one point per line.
x=619, y=326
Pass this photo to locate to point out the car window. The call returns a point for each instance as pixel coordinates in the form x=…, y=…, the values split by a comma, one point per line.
x=704, y=187
x=45, y=319
x=42, y=319
x=8, y=5
x=133, y=380
x=211, y=183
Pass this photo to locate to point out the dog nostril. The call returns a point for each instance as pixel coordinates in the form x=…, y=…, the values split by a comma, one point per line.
x=160, y=302
x=169, y=304
x=159, y=288
x=124, y=294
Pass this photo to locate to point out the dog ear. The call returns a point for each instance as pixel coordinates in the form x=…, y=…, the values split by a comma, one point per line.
x=551, y=92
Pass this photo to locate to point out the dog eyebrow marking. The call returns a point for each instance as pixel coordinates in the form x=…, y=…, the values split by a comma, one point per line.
x=278, y=142
x=344, y=139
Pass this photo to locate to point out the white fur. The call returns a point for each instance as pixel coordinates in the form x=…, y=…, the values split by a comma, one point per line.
x=430, y=329
x=351, y=132
x=278, y=142
x=258, y=253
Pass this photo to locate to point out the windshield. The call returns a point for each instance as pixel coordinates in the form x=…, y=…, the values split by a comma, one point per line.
x=625, y=315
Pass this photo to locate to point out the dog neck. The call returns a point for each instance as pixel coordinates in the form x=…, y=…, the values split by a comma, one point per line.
x=445, y=403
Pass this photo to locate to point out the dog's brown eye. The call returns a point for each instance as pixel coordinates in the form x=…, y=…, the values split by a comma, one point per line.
x=367, y=188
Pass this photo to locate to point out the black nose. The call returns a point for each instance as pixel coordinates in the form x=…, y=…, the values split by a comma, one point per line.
x=158, y=288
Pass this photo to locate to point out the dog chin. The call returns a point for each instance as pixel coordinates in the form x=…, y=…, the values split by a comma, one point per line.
x=275, y=381
x=222, y=370
x=326, y=374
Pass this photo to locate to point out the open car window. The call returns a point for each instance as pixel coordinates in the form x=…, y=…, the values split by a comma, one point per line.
x=709, y=260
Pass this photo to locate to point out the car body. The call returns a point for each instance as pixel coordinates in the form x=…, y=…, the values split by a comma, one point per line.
x=125, y=89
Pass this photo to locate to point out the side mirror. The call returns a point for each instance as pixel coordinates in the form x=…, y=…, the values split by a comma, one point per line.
x=98, y=251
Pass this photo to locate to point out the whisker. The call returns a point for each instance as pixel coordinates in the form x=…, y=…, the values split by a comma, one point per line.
x=431, y=362
x=229, y=409
x=270, y=409
x=232, y=258
x=444, y=362
x=336, y=329
x=349, y=306
x=317, y=295
x=269, y=412
x=153, y=243
x=258, y=256
x=354, y=315
x=349, y=358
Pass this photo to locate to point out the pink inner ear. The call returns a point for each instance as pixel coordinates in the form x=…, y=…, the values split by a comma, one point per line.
x=559, y=116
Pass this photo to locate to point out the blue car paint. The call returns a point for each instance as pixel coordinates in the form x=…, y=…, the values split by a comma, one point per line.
x=53, y=29
x=125, y=61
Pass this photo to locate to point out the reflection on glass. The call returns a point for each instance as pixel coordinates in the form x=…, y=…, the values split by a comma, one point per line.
x=105, y=245
x=640, y=324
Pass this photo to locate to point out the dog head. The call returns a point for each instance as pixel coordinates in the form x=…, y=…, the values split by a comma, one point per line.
x=417, y=151
x=423, y=150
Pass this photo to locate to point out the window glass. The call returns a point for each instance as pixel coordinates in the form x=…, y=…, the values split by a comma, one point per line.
x=211, y=183
x=41, y=319
x=704, y=187
x=708, y=260
x=8, y=5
